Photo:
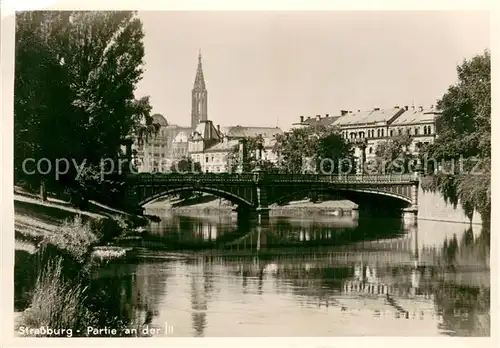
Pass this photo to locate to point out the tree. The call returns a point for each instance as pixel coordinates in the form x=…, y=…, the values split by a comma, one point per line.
x=464, y=142
x=74, y=90
x=313, y=148
x=393, y=156
x=186, y=165
x=183, y=166
x=254, y=146
x=332, y=153
x=294, y=147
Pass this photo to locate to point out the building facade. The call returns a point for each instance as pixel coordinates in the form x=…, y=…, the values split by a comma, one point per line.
x=214, y=148
x=157, y=153
x=371, y=128
x=418, y=122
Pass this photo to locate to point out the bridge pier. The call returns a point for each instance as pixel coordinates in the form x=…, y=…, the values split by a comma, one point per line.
x=263, y=216
x=259, y=215
x=410, y=216
x=355, y=213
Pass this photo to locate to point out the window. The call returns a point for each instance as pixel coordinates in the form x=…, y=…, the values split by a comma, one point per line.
x=378, y=133
x=391, y=133
x=206, y=159
x=381, y=132
x=370, y=150
x=408, y=130
x=416, y=130
x=400, y=131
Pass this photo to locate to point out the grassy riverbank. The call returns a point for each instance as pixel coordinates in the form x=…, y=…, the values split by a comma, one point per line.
x=36, y=222
x=65, y=244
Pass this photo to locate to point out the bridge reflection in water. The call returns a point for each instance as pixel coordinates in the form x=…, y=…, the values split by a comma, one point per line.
x=303, y=277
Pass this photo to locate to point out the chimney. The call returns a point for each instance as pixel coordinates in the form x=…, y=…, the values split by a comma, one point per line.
x=327, y=115
x=301, y=119
x=343, y=112
x=376, y=109
x=396, y=106
x=318, y=117
x=421, y=108
x=359, y=110
x=406, y=107
x=308, y=117
x=350, y=111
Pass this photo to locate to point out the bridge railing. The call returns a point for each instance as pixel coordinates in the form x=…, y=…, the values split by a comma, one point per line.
x=339, y=178
x=163, y=178
x=157, y=178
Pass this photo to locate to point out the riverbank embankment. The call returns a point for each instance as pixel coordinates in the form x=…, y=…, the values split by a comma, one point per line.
x=39, y=222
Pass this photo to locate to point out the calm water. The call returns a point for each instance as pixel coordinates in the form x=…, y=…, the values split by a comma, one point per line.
x=317, y=276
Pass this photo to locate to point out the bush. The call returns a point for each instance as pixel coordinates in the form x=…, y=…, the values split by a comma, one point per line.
x=57, y=303
x=75, y=238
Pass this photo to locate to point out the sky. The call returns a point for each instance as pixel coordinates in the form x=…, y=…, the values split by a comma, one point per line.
x=269, y=68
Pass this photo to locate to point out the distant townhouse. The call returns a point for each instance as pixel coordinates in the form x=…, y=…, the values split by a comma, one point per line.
x=316, y=121
x=369, y=128
x=212, y=146
x=155, y=154
x=203, y=137
x=180, y=146
x=418, y=122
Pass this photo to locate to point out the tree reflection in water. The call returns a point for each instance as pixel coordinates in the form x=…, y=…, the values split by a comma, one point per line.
x=319, y=264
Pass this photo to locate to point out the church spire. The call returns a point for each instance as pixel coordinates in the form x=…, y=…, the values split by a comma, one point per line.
x=199, y=96
x=199, y=82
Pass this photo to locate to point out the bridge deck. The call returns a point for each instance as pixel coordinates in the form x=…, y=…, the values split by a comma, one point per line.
x=270, y=177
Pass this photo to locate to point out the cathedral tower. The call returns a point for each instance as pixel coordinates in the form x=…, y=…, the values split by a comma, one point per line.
x=199, y=97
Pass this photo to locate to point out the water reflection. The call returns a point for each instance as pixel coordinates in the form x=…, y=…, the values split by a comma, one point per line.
x=297, y=277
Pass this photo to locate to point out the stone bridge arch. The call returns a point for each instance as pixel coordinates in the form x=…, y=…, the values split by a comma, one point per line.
x=253, y=192
x=371, y=200
x=230, y=196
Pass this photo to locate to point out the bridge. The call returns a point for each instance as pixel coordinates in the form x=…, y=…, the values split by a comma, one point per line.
x=255, y=191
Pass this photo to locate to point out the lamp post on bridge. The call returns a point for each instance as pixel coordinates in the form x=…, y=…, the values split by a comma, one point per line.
x=259, y=178
x=361, y=144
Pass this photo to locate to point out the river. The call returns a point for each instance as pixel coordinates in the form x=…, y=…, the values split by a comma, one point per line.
x=300, y=276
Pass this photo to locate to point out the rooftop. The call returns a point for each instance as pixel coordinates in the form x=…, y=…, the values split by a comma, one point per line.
x=160, y=119
x=181, y=137
x=223, y=146
x=246, y=132
x=375, y=115
x=416, y=116
x=318, y=121
x=206, y=130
